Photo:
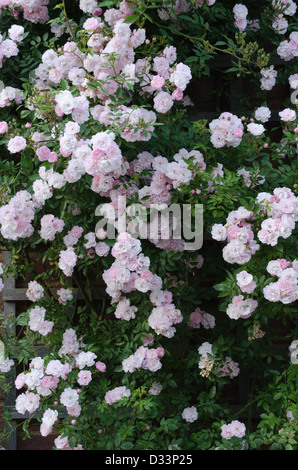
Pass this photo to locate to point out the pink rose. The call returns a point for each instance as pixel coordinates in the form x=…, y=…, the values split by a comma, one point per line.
x=16, y=144
x=233, y=232
x=85, y=377
x=20, y=381
x=45, y=430
x=238, y=133
x=287, y=115
x=160, y=352
x=53, y=157
x=100, y=366
x=3, y=127
x=157, y=82
x=177, y=94
x=43, y=153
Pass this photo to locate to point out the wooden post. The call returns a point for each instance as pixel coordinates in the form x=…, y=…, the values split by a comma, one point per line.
x=9, y=317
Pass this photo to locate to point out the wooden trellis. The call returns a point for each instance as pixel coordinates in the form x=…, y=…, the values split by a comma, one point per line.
x=222, y=63
x=12, y=294
x=9, y=298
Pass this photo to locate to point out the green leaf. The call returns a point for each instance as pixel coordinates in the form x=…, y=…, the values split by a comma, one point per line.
x=131, y=18
x=127, y=446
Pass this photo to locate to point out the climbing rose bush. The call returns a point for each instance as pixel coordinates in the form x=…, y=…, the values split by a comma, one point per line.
x=128, y=339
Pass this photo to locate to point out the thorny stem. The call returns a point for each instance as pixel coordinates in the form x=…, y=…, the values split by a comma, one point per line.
x=5, y=435
x=81, y=288
x=67, y=21
x=46, y=288
x=246, y=406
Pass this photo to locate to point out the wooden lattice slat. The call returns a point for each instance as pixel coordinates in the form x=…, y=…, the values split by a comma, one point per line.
x=9, y=316
x=11, y=295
